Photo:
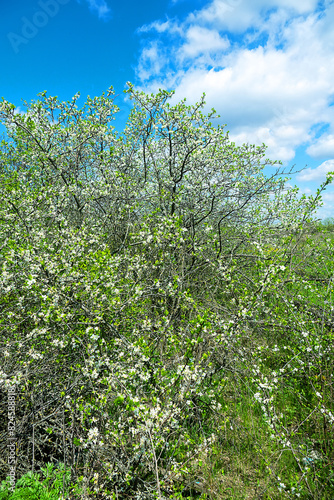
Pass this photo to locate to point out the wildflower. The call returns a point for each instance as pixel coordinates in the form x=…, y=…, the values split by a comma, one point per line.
x=93, y=433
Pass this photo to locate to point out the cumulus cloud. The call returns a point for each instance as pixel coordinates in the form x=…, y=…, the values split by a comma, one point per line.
x=238, y=15
x=202, y=40
x=152, y=59
x=267, y=67
x=317, y=174
x=323, y=147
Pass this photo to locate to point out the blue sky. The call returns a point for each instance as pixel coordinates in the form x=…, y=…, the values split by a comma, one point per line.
x=266, y=66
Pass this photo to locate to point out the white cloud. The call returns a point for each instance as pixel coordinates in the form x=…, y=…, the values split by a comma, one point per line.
x=327, y=209
x=270, y=84
x=328, y=199
x=317, y=174
x=202, y=40
x=151, y=60
x=161, y=27
x=239, y=15
x=101, y=8
x=323, y=147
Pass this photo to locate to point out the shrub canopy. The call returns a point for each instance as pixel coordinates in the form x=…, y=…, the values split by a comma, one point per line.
x=145, y=276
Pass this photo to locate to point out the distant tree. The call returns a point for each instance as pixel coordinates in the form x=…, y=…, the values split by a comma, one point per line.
x=328, y=223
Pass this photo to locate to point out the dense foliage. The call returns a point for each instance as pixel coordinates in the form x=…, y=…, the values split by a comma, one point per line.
x=166, y=314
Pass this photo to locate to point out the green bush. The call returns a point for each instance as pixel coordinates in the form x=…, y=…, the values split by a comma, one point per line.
x=166, y=312
x=45, y=486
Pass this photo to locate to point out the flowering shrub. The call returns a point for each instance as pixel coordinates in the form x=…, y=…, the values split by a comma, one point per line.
x=158, y=306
